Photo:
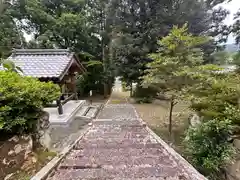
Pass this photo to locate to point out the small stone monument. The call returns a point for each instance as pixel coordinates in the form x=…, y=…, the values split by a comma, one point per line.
x=90, y=94
x=195, y=120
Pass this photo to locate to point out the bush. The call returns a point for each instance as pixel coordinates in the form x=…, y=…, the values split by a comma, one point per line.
x=144, y=100
x=217, y=102
x=22, y=100
x=213, y=98
x=141, y=92
x=210, y=147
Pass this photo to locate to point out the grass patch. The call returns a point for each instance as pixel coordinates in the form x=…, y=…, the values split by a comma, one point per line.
x=117, y=101
x=156, y=116
x=119, y=98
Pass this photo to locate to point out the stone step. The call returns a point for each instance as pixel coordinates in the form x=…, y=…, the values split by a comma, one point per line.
x=83, y=111
x=118, y=162
x=113, y=173
x=122, y=135
x=119, y=133
x=92, y=112
x=88, y=112
x=117, y=122
x=117, y=158
x=94, y=152
x=116, y=144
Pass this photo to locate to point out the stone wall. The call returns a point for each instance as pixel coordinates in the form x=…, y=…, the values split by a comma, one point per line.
x=15, y=154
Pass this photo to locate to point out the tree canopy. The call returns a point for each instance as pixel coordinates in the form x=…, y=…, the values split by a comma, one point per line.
x=120, y=34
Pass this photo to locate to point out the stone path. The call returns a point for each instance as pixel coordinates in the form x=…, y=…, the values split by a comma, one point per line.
x=119, y=146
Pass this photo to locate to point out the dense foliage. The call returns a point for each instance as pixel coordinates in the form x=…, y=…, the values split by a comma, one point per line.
x=10, y=36
x=119, y=34
x=209, y=146
x=176, y=61
x=143, y=23
x=22, y=100
x=217, y=102
x=236, y=27
x=213, y=97
x=221, y=58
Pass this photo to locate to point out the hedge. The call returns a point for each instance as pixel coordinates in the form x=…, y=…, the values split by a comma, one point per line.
x=22, y=100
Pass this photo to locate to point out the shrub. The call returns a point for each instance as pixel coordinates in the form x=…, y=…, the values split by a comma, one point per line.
x=82, y=84
x=22, y=100
x=213, y=98
x=209, y=146
x=217, y=102
x=141, y=92
x=144, y=100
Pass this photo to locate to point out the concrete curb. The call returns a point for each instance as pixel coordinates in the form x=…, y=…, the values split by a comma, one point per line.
x=46, y=170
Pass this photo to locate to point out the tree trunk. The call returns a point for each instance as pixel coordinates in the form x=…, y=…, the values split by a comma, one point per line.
x=1, y=7
x=104, y=55
x=131, y=90
x=105, y=84
x=172, y=104
x=170, y=117
x=109, y=87
x=104, y=59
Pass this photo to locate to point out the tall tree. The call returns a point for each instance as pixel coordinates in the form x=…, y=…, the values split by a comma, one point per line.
x=141, y=23
x=236, y=27
x=10, y=34
x=65, y=24
x=177, y=65
x=58, y=24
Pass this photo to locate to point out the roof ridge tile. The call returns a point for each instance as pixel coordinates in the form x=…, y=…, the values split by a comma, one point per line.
x=17, y=52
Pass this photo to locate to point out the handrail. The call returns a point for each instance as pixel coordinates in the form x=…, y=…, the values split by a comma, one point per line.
x=68, y=99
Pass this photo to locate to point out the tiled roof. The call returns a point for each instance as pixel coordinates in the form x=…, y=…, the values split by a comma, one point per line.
x=42, y=63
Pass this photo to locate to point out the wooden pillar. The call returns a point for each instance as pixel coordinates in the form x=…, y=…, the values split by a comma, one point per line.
x=74, y=85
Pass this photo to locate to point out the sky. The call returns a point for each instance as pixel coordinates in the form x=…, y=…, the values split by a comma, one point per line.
x=233, y=7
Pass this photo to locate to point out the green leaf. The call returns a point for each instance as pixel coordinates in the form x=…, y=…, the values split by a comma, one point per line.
x=1, y=125
x=94, y=63
x=9, y=65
